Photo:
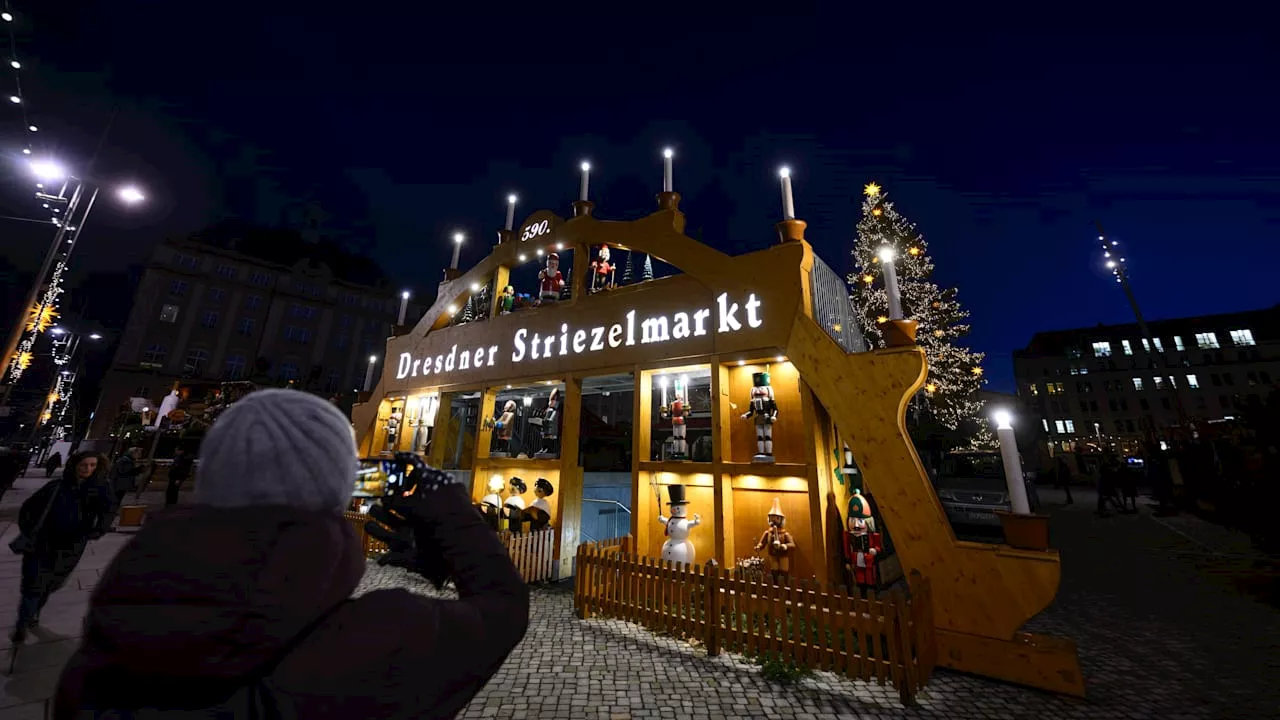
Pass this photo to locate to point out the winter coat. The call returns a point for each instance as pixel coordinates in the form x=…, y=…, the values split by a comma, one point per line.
x=80, y=509
x=206, y=600
x=180, y=470
x=125, y=473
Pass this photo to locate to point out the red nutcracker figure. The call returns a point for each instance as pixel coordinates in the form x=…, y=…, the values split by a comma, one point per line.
x=676, y=413
x=602, y=271
x=550, y=280
x=862, y=544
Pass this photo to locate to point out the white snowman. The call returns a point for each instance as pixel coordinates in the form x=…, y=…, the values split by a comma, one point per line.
x=678, y=547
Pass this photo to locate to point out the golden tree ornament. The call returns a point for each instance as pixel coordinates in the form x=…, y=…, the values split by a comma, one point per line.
x=23, y=360
x=877, y=212
x=868, y=279
x=882, y=319
x=914, y=251
x=977, y=371
x=931, y=388
x=40, y=317
x=938, y=333
x=871, y=190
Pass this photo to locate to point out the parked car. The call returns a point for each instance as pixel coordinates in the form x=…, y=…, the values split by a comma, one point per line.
x=972, y=487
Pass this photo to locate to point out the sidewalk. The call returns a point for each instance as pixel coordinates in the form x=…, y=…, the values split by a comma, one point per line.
x=24, y=694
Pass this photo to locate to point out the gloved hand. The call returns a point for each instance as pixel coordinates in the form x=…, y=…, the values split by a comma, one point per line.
x=403, y=522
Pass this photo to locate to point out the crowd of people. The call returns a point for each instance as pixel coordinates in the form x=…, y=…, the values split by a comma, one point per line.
x=239, y=603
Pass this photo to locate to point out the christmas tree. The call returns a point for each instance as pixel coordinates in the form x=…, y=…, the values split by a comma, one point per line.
x=628, y=271
x=646, y=273
x=955, y=373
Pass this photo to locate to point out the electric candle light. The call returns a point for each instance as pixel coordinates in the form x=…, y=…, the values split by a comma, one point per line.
x=404, y=306
x=788, y=202
x=666, y=169
x=368, y=374
x=457, y=249
x=511, y=211
x=891, y=283
x=1012, y=463
x=586, y=181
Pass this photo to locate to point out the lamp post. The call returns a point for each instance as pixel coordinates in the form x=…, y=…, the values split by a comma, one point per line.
x=368, y=374
x=1012, y=463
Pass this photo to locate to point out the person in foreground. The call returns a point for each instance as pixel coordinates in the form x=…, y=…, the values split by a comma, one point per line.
x=239, y=605
x=56, y=524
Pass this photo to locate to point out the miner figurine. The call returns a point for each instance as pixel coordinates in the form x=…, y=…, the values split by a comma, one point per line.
x=765, y=411
x=550, y=427
x=676, y=412
x=862, y=544
x=503, y=424
x=550, y=281
x=602, y=271
x=777, y=544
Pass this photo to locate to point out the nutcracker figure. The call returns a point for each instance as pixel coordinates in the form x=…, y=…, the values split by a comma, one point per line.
x=676, y=413
x=503, y=424
x=602, y=271
x=550, y=427
x=539, y=512
x=482, y=303
x=862, y=544
x=765, y=411
x=508, y=301
x=777, y=544
x=550, y=280
x=678, y=547
x=514, y=506
x=393, y=428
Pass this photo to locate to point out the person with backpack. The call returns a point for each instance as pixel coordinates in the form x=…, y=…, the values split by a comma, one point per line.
x=55, y=525
x=239, y=605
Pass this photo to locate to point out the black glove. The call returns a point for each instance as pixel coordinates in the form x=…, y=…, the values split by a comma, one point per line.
x=403, y=521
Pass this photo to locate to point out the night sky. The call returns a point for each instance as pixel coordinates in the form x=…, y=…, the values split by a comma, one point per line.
x=1002, y=140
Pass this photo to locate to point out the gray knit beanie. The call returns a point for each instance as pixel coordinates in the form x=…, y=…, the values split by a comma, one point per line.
x=279, y=447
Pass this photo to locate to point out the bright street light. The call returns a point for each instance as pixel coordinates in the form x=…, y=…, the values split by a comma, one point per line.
x=48, y=170
x=131, y=194
x=56, y=330
x=95, y=336
x=1004, y=419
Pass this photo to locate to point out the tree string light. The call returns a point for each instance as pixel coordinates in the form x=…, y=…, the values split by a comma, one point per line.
x=15, y=64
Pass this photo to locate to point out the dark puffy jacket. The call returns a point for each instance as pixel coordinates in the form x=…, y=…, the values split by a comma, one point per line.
x=204, y=601
x=79, y=510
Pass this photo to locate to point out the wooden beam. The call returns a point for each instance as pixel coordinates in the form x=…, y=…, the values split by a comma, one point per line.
x=569, y=504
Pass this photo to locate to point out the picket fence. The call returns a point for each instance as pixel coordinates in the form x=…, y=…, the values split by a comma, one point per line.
x=888, y=639
x=533, y=552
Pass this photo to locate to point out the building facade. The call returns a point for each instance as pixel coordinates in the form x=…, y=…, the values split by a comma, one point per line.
x=238, y=304
x=1108, y=385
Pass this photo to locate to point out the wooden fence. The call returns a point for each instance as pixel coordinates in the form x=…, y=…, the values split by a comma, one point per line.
x=888, y=639
x=533, y=553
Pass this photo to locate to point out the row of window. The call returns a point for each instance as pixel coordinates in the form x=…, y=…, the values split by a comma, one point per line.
x=1157, y=382
x=1204, y=341
x=178, y=288
x=234, y=367
x=1067, y=427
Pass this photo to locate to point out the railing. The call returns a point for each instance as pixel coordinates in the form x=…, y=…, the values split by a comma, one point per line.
x=831, y=308
x=622, y=507
x=888, y=639
x=534, y=553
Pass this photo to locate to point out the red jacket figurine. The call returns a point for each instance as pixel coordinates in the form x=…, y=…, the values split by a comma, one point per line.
x=862, y=543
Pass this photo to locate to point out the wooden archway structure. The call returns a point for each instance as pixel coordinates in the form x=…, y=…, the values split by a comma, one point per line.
x=983, y=593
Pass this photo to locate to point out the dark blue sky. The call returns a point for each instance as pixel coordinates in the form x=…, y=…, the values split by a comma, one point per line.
x=1002, y=139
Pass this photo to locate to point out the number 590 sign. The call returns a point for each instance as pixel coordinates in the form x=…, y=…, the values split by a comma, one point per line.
x=540, y=226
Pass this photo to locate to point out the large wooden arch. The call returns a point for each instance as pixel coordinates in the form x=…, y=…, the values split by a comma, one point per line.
x=983, y=593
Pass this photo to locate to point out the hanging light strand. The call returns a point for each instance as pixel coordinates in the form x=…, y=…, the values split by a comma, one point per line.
x=15, y=65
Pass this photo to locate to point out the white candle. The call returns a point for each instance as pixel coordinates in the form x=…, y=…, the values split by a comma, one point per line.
x=368, y=374
x=511, y=211
x=666, y=170
x=1012, y=464
x=457, y=249
x=664, y=391
x=586, y=180
x=788, y=203
x=891, y=283
x=404, y=306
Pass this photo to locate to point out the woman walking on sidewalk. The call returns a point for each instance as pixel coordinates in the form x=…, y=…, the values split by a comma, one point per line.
x=56, y=523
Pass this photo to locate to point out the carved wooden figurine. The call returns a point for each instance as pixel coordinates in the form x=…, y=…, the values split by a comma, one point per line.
x=514, y=506
x=676, y=413
x=678, y=547
x=550, y=422
x=777, y=544
x=862, y=544
x=503, y=425
x=508, y=301
x=765, y=411
x=491, y=504
x=550, y=281
x=602, y=271
x=539, y=512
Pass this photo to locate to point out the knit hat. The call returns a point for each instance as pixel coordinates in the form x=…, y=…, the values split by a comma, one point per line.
x=279, y=447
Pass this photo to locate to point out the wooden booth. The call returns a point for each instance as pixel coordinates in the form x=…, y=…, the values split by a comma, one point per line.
x=447, y=385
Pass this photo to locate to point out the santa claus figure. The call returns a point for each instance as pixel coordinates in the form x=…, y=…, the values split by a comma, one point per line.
x=602, y=271
x=550, y=281
x=862, y=544
x=777, y=544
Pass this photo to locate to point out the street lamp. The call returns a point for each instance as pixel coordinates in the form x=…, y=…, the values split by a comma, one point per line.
x=48, y=170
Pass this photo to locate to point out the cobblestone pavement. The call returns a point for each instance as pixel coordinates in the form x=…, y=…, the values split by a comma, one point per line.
x=1163, y=628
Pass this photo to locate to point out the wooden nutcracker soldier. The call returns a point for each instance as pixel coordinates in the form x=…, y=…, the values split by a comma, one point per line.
x=550, y=281
x=503, y=425
x=514, y=505
x=676, y=412
x=862, y=544
x=777, y=544
x=602, y=271
x=765, y=411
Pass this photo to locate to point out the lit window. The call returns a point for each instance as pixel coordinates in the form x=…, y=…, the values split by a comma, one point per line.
x=1193, y=382
x=1102, y=349
x=1242, y=338
x=1158, y=382
x=1045, y=423
x=1128, y=349
x=253, y=302
x=1084, y=371
x=1206, y=341
x=1071, y=426
x=1159, y=344
x=1137, y=383
x=1033, y=389
x=1061, y=427
x=287, y=371
x=1146, y=346
x=246, y=326
x=169, y=313
x=1177, y=343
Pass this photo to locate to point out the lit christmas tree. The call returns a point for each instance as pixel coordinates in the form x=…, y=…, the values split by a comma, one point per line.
x=628, y=270
x=955, y=372
x=646, y=273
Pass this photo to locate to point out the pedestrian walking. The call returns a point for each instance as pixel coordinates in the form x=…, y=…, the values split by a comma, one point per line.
x=242, y=600
x=124, y=476
x=52, y=464
x=1062, y=478
x=1128, y=490
x=179, y=471
x=1108, y=482
x=55, y=525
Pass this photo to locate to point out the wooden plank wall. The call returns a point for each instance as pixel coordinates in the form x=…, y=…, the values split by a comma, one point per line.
x=887, y=639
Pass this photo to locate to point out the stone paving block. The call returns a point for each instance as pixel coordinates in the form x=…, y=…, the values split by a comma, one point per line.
x=30, y=711
x=29, y=687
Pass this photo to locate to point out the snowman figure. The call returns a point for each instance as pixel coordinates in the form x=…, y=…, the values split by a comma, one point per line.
x=678, y=547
